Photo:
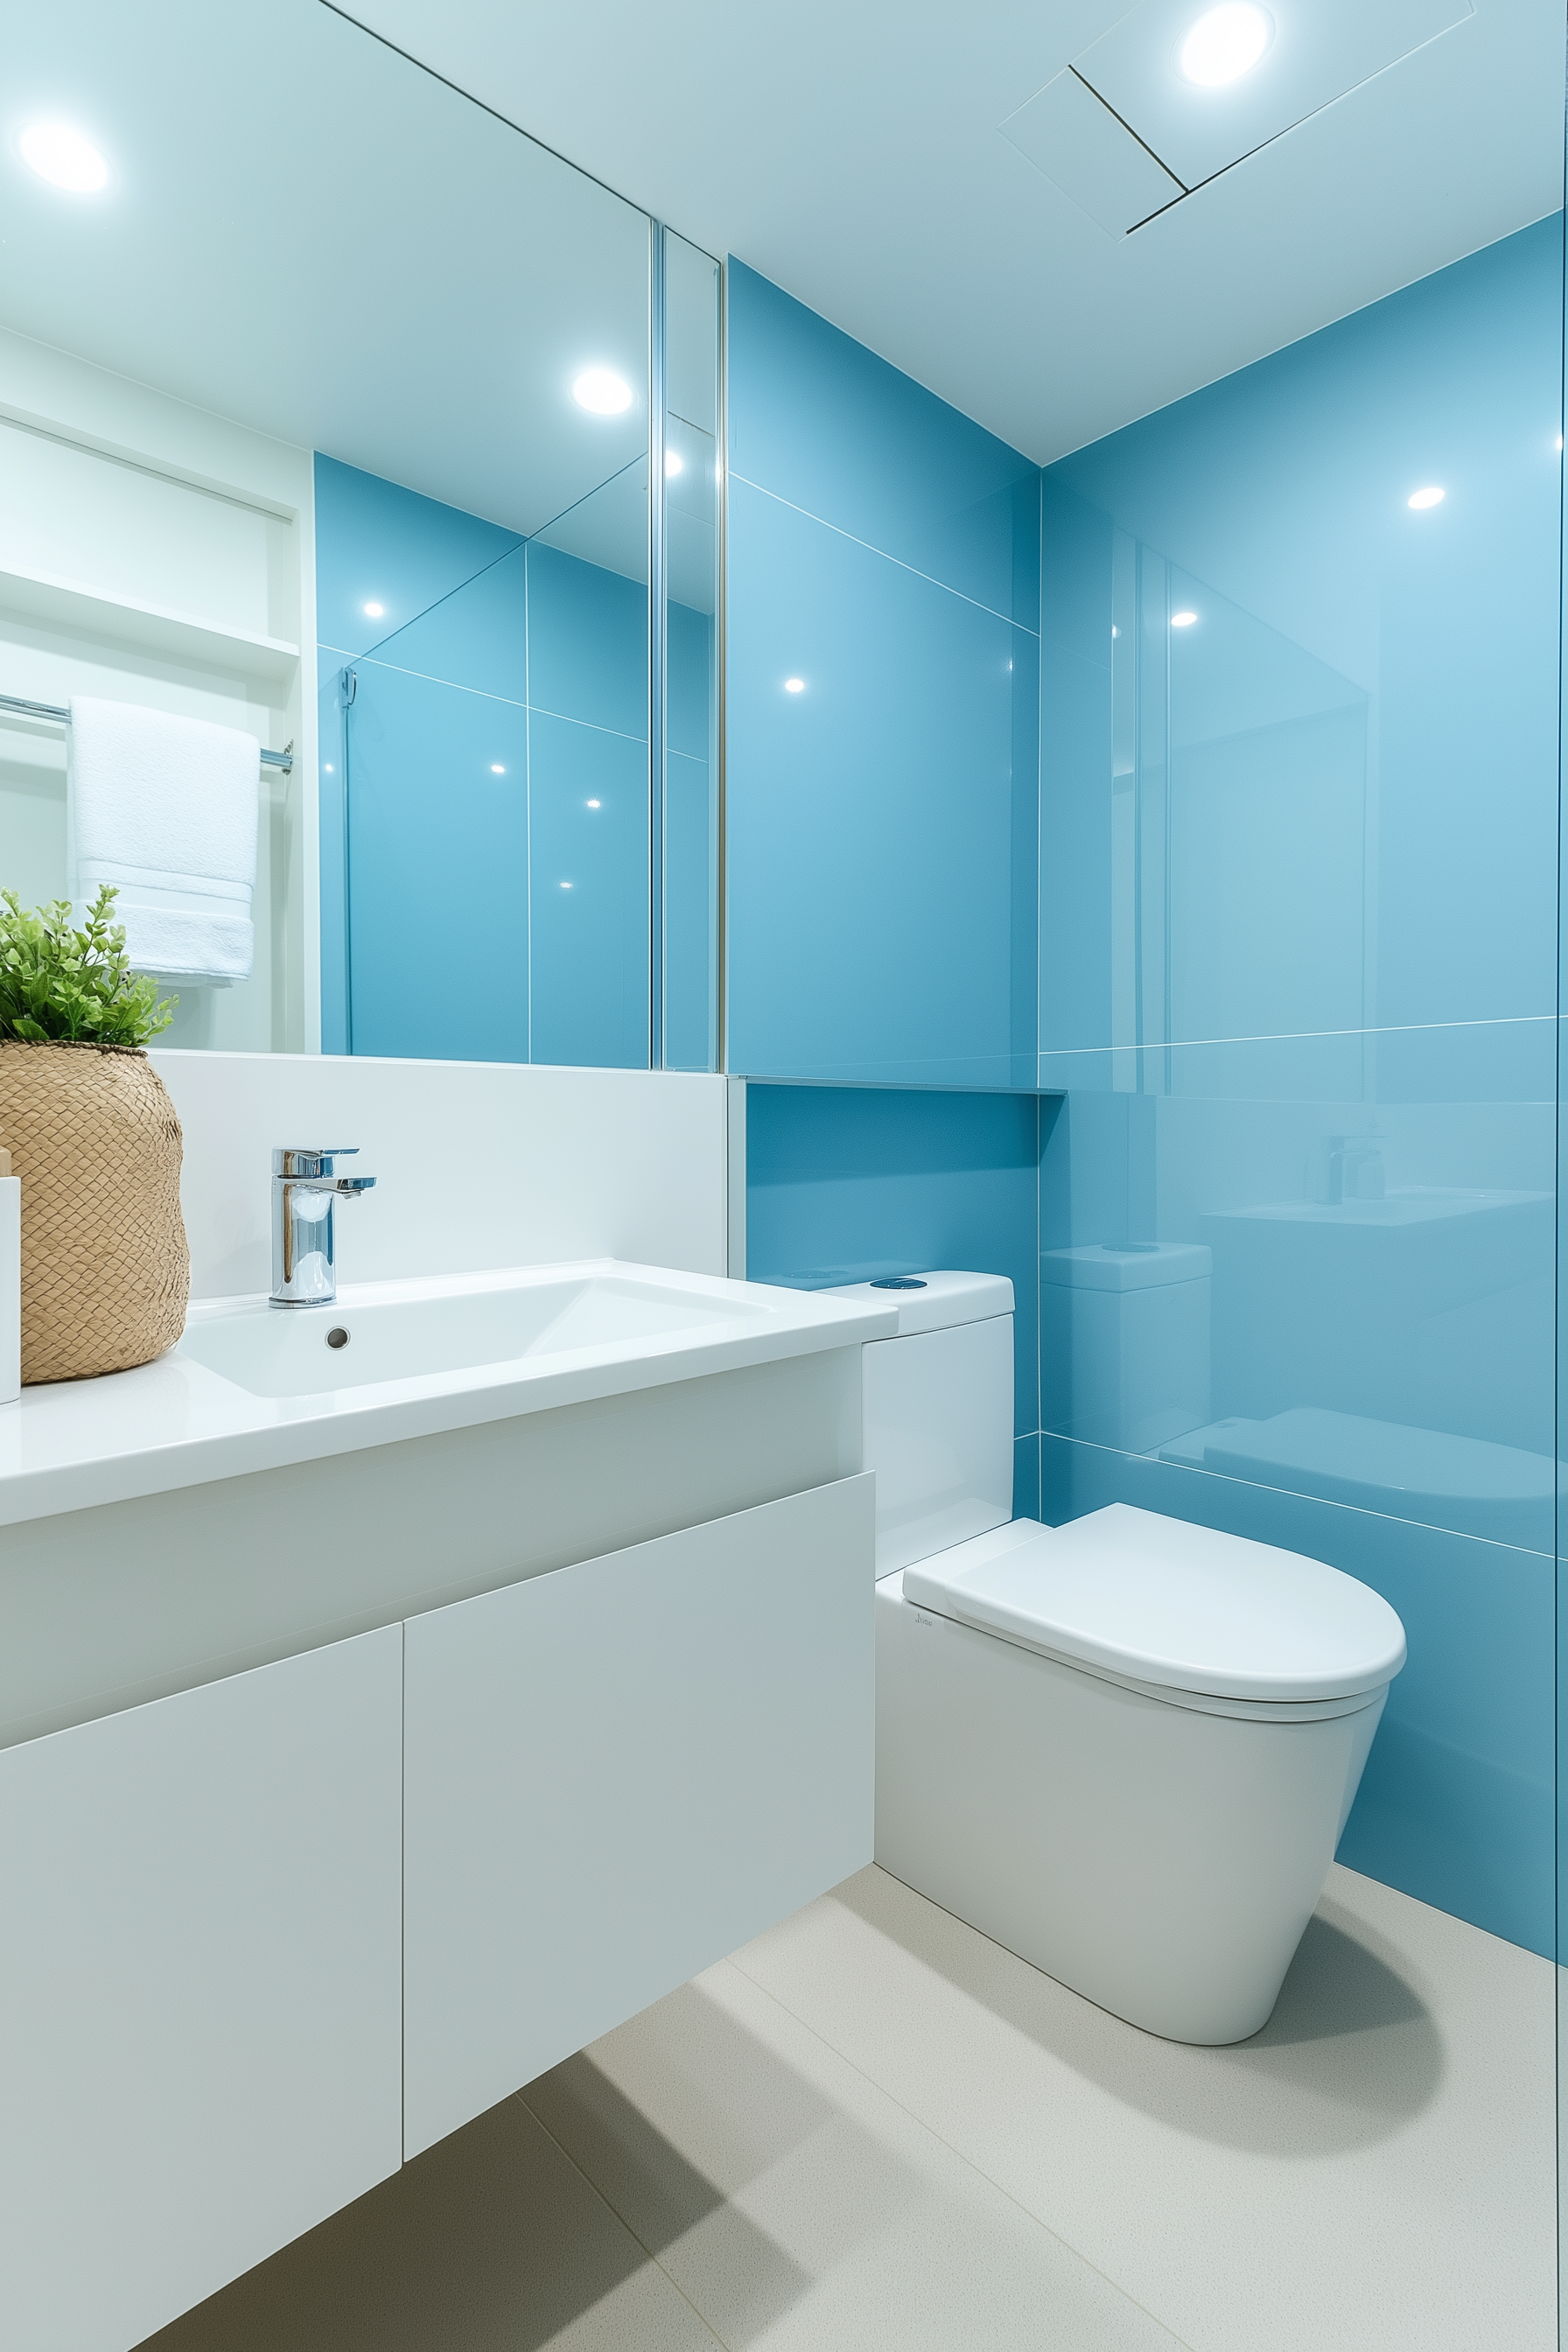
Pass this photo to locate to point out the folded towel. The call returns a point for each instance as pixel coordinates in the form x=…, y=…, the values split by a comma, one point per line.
x=165, y=809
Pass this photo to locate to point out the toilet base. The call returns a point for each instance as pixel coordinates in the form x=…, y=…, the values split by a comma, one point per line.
x=1161, y=1860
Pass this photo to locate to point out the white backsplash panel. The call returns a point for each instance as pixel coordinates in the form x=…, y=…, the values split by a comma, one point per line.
x=477, y=1163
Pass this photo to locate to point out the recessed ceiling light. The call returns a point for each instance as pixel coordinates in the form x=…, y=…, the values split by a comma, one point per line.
x=63, y=157
x=1421, y=499
x=1183, y=620
x=593, y=803
x=496, y=768
x=794, y=686
x=673, y=465
x=603, y=393
x=1225, y=44
x=374, y=611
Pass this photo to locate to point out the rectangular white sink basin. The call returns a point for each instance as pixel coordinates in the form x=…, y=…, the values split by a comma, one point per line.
x=254, y=1387
x=368, y=1337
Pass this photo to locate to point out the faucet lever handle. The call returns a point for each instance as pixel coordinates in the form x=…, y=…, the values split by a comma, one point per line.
x=309, y=1158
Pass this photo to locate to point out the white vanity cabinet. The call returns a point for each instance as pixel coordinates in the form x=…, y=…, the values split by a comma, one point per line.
x=616, y=1774
x=199, y=1988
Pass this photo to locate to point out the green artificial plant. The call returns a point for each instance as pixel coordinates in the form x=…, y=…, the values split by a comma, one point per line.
x=62, y=985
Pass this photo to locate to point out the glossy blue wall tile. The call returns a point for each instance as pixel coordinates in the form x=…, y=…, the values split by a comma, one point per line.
x=883, y=818
x=491, y=759
x=1324, y=1265
x=1299, y=798
x=587, y=643
x=690, y=840
x=379, y=543
x=477, y=635
x=844, y=1183
x=878, y=928
x=588, y=894
x=439, y=848
x=819, y=420
x=1270, y=687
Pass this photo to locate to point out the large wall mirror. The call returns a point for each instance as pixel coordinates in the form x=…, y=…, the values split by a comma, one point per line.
x=335, y=409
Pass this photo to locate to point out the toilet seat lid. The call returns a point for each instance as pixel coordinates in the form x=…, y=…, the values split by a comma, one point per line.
x=1158, y=1600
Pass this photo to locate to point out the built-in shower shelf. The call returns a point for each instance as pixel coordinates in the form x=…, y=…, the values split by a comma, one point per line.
x=185, y=636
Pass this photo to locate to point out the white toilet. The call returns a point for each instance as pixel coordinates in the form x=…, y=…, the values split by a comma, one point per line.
x=1125, y=1748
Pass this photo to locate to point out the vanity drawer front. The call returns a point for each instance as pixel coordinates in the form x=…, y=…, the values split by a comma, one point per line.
x=618, y=1773
x=199, y=1988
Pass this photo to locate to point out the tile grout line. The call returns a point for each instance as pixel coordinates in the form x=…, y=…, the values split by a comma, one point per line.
x=872, y=549
x=510, y=702
x=957, y=2154
x=1297, y=1493
x=1298, y=1036
x=616, y=2215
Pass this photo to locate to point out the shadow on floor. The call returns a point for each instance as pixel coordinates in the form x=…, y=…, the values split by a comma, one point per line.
x=488, y=2242
x=1350, y=2056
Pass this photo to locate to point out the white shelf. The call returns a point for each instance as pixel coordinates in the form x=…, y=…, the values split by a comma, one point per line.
x=184, y=635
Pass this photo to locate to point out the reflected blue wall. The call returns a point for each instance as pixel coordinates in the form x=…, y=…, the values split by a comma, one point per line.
x=690, y=840
x=881, y=820
x=845, y=1183
x=492, y=765
x=1297, y=985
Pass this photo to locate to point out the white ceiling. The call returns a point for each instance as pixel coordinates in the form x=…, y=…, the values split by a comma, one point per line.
x=851, y=152
x=302, y=232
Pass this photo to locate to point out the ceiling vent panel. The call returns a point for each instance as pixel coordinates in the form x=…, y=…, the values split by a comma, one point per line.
x=1317, y=50
x=1077, y=141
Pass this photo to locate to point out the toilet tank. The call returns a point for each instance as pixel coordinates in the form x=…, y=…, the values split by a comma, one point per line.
x=937, y=1412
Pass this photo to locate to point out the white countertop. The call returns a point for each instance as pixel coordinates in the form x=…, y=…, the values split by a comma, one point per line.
x=69, y=1446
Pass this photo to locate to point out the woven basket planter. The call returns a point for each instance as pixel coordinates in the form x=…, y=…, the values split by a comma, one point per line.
x=106, y=1273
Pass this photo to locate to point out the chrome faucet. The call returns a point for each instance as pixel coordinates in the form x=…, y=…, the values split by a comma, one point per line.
x=304, y=1272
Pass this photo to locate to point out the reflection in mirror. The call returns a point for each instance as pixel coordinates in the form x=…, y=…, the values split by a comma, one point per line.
x=326, y=419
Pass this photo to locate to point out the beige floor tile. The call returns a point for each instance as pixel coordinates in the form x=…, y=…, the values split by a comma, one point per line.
x=799, y=2208
x=491, y=2242
x=1375, y=2169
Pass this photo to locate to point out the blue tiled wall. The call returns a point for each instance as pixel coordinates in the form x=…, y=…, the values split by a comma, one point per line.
x=495, y=764
x=1297, y=987
x=1296, y=1053
x=844, y=1183
x=883, y=550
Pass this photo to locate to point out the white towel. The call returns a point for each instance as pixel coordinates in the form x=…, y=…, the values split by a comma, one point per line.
x=165, y=809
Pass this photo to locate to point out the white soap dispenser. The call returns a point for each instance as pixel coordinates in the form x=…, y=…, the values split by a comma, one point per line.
x=10, y=1281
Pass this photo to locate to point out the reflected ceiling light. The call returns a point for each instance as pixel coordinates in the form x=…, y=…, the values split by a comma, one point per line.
x=496, y=768
x=1183, y=620
x=603, y=393
x=63, y=157
x=594, y=804
x=672, y=464
x=1422, y=499
x=1224, y=43
x=794, y=686
x=374, y=611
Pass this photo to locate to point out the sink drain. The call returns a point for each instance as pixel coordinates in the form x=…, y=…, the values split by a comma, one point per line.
x=337, y=1337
